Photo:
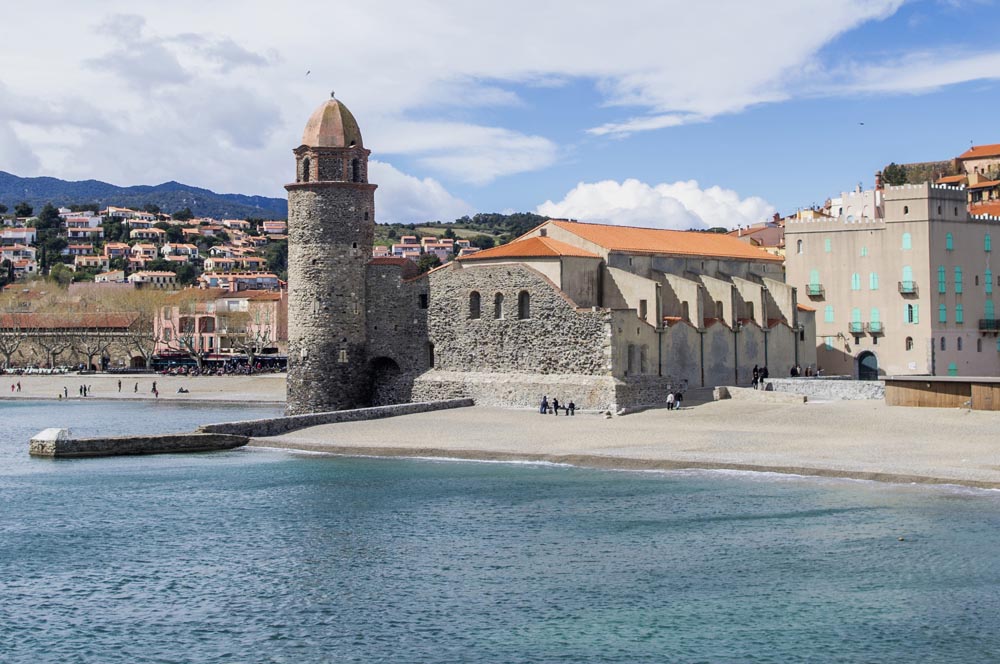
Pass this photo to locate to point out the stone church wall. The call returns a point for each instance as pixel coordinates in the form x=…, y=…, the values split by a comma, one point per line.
x=397, y=331
x=556, y=338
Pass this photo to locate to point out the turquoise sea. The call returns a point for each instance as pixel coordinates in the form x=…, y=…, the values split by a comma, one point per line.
x=270, y=556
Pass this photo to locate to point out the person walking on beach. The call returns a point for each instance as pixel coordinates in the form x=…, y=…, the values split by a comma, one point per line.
x=154, y=387
x=677, y=400
x=66, y=391
x=756, y=376
x=571, y=408
x=555, y=405
x=670, y=400
x=119, y=386
x=544, y=408
x=18, y=386
x=135, y=390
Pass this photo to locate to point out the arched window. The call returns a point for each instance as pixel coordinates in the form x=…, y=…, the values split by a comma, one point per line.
x=474, y=304
x=907, y=241
x=355, y=170
x=498, y=306
x=523, y=305
x=909, y=343
x=906, y=209
x=305, y=169
x=798, y=246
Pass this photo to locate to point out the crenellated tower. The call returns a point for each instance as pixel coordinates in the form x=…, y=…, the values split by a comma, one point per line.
x=331, y=226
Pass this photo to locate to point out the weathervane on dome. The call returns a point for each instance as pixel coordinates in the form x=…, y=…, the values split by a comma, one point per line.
x=333, y=95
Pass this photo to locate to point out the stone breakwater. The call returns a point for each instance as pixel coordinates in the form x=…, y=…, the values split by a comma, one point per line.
x=58, y=443
x=278, y=425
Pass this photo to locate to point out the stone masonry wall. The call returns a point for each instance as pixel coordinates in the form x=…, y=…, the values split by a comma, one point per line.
x=830, y=389
x=397, y=332
x=557, y=338
x=330, y=234
x=276, y=426
x=519, y=390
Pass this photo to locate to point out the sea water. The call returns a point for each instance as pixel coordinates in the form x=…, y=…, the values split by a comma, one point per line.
x=269, y=556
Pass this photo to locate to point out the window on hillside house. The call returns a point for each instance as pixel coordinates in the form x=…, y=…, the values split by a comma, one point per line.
x=909, y=343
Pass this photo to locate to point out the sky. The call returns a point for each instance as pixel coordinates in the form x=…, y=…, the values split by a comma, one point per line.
x=653, y=113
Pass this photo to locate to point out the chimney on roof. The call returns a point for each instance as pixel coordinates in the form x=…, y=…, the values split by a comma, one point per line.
x=777, y=217
x=878, y=180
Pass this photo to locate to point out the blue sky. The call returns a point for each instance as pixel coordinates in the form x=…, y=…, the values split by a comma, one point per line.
x=662, y=113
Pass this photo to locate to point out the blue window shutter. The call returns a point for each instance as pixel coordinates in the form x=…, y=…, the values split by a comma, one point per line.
x=916, y=313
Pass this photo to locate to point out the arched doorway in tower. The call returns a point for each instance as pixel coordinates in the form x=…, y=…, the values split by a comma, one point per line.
x=389, y=385
x=867, y=366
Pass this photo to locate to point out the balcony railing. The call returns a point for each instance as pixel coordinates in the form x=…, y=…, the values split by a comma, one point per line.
x=989, y=325
x=814, y=290
x=908, y=287
x=875, y=327
x=857, y=327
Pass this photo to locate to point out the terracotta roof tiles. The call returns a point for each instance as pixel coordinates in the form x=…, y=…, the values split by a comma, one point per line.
x=980, y=151
x=531, y=247
x=659, y=241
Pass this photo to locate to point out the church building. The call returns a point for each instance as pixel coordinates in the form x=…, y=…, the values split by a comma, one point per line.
x=606, y=316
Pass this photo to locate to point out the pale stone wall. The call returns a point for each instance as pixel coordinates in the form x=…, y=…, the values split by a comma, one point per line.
x=830, y=389
x=719, y=368
x=681, y=356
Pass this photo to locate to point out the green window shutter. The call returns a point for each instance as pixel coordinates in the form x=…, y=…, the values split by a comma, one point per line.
x=855, y=315
x=828, y=313
x=916, y=313
x=814, y=277
x=873, y=281
x=952, y=369
x=855, y=281
x=906, y=313
x=907, y=273
x=959, y=314
x=958, y=279
x=829, y=343
x=988, y=310
x=907, y=241
x=875, y=316
x=987, y=243
x=989, y=281
x=942, y=313
x=864, y=251
x=942, y=281
x=826, y=245
x=949, y=242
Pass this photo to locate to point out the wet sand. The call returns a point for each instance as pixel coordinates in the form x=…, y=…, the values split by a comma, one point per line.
x=262, y=388
x=851, y=439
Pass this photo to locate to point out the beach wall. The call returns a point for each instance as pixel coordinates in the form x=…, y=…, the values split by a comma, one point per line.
x=278, y=425
x=829, y=389
x=750, y=394
x=58, y=443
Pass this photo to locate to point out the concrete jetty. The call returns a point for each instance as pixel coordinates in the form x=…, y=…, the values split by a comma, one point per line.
x=59, y=443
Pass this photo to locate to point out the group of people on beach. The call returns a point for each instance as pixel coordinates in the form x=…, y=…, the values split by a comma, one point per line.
x=674, y=400
x=760, y=374
x=545, y=408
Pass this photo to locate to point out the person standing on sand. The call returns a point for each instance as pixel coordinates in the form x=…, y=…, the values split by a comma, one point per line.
x=154, y=387
x=756, y=376
x=119, y=386
x=66, y=391
x=555, y=405
x=571, y=408
x=677, y=400
x=670, y=400
x=18, y=386
x=544, y=408
x=135, y=390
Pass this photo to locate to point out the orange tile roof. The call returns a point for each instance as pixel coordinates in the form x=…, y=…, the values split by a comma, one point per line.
x=992, y=209
x=659, y=241
x=953, y=179
x=802, y=307
x=531, y=247
x=980, y=151
x=985, y=184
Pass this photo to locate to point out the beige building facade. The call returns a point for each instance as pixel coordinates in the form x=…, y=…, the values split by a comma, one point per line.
x=902, y=280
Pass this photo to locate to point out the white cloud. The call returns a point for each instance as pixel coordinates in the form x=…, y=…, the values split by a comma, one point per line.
x=402, y=198
x=679, y=205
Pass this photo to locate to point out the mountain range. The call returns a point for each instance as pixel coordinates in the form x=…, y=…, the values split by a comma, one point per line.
x=169, y=196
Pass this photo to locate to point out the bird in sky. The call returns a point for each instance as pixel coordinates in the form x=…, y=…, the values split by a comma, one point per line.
x=309, y=72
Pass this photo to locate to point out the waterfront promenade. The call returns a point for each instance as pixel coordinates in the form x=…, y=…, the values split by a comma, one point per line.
x=853, y=439
x=262, y=388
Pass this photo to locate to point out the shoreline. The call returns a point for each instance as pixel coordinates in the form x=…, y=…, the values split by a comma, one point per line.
x=266, y=389
x=597, y=462
x=847, y=440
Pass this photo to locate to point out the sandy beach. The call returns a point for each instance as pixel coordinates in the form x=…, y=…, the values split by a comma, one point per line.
x=263, y=388
x=851, y=439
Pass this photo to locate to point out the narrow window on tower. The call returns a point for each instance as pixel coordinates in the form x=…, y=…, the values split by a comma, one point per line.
x=355, y=170
x=305, y=169
x=342, y=356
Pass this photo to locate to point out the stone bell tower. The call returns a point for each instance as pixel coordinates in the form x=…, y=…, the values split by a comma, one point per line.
x=331, y=227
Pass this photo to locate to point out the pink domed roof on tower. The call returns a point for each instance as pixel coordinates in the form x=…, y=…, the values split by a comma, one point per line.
x=332, y=126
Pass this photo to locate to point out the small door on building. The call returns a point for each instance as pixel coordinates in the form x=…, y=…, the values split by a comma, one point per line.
x=867, y=366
